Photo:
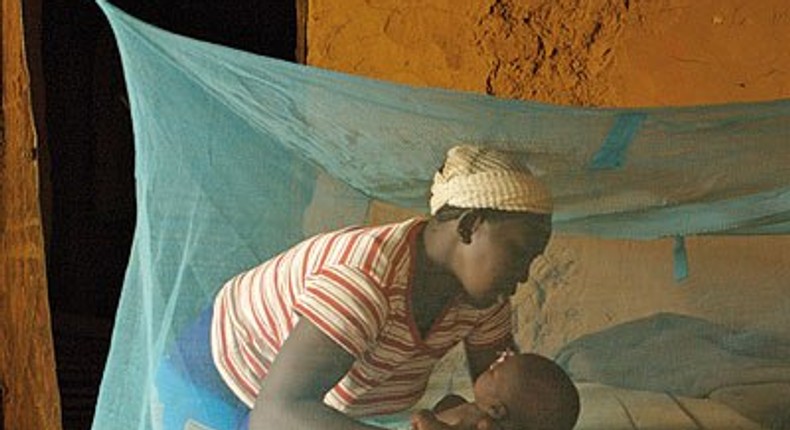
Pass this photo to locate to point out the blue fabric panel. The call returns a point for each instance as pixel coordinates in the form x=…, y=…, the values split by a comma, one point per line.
x=681, y=267
x=612, y=153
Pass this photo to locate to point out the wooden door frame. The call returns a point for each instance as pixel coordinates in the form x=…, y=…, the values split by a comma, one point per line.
x=27, y=360
x=301, y=31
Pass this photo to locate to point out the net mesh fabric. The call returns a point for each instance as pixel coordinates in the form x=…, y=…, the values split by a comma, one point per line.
x=240, y=156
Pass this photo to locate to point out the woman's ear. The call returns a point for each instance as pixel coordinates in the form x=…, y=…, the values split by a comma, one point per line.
x=468, y=222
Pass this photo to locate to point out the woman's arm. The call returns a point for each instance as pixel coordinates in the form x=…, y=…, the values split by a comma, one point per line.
x=306, y=368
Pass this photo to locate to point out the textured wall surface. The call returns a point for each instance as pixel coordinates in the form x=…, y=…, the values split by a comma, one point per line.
x=577, y=52
x=27, y=365
x=592, y=53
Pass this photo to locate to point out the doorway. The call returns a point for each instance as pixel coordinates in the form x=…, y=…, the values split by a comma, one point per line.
x=90, y=144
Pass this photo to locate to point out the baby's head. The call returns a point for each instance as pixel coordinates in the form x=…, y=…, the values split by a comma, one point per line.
x=528, y=391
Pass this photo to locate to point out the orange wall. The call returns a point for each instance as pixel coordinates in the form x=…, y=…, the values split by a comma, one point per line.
x=577, y=52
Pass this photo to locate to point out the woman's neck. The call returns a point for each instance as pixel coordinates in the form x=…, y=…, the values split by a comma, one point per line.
x=433, y=285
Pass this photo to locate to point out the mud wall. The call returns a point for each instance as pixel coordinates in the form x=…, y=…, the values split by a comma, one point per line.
x=591, y=53
x=575, y=52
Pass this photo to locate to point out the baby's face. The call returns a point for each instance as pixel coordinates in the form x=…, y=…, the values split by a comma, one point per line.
x=527, y=391
x=494, y=391
x=510, y=391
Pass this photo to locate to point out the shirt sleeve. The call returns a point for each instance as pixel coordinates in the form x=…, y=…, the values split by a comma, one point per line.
x=493, y=330
x=345, y=304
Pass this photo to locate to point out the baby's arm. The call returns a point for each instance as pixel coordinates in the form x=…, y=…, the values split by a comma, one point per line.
x=448, y=402
x=429, y=420
x=462, y=416
x=453, y=411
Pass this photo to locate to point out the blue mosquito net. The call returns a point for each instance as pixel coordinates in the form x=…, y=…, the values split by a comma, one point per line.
x=239, y=156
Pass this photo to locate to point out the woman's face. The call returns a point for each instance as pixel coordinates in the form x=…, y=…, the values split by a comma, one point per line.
x=498, y=257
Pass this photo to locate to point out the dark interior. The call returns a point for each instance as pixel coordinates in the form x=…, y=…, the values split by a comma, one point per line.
x=89, y=138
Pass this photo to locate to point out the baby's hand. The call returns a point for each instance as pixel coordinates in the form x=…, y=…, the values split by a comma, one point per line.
x=449, y=401
x=426, y=420
x=488, y=424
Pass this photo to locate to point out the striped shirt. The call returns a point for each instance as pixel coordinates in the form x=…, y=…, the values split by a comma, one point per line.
x=354, y=285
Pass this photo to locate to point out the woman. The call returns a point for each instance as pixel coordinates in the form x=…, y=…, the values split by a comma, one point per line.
x=350, y=323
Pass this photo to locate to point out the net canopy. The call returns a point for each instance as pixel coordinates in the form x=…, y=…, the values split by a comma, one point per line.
x=239, y=156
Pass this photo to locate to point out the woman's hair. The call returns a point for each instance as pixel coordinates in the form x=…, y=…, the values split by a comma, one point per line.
x=540, y=222
x=448, y=213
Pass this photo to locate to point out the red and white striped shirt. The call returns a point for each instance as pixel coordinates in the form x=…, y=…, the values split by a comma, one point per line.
x=354, y=285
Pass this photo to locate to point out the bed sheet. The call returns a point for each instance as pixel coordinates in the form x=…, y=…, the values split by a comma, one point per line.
x=611, y=408
x=605, y=407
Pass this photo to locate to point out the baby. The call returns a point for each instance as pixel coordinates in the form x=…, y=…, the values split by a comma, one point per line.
x=519, y=391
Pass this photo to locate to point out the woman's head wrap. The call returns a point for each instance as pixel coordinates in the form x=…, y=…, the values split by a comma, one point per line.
x=482, y=178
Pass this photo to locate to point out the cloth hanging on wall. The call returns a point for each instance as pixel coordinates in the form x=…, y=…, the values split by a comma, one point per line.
x=239, y=156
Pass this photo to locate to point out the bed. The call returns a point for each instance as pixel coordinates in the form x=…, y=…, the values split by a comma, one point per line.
x=666, y=371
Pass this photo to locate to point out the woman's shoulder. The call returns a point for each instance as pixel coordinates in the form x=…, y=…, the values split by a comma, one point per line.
x=368, y=242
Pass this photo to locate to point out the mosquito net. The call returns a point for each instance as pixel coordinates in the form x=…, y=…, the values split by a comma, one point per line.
x=239, y=156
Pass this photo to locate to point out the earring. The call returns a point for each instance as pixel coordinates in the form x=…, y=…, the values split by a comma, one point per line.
x=465, y=225
x=466, y=235
x=497, y=411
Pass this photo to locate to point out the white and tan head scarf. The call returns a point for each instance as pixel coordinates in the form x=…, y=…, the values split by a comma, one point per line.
x=475, y=177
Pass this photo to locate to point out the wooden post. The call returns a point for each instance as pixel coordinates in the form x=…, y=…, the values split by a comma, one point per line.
x=27, y=362
x=301, y=31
